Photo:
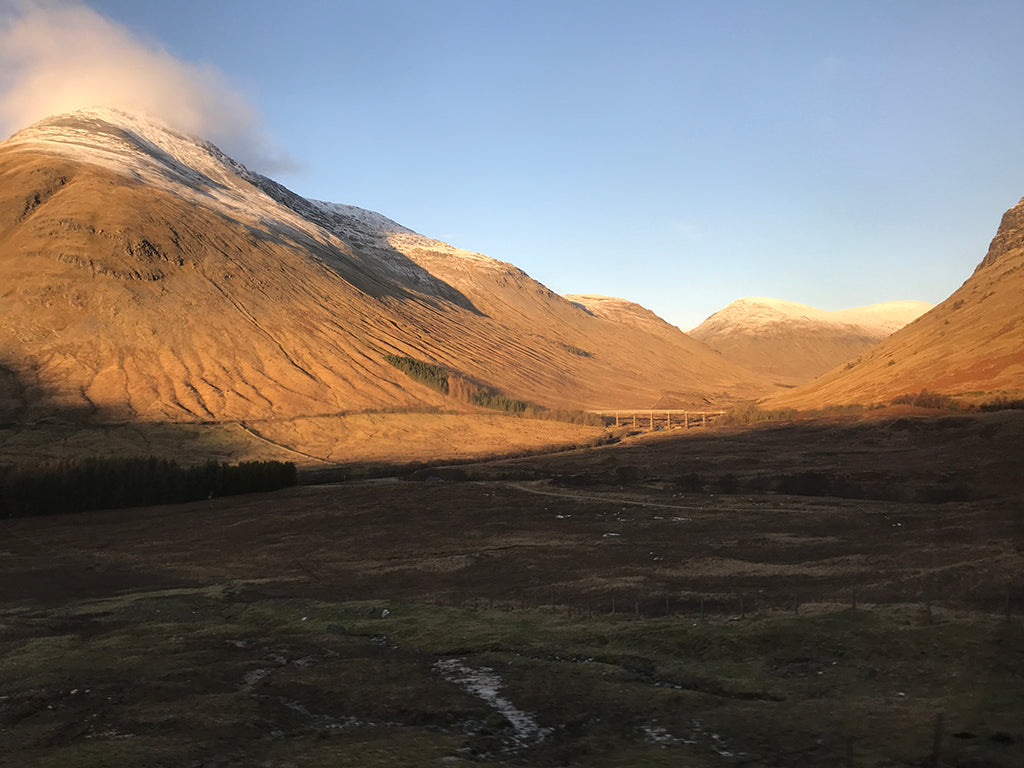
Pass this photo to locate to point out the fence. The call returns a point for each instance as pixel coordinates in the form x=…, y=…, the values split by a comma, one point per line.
x=1005, y=602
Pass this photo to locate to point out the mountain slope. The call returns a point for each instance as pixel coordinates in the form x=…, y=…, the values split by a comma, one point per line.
x=792, y=343
x=639, y=321
x=971, y=345
x=145, y=275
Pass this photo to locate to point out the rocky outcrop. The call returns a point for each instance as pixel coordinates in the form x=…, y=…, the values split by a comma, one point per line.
x=970, y=346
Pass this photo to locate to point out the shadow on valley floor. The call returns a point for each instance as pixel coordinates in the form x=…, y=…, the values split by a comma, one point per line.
x=530, y=612
x=37, y=426
x=901, y=458
x=506, y=623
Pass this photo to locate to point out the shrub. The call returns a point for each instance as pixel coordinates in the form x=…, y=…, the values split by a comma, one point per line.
x=692, y=482
x=746, y=414
x=1002, y=404
x=627, y=474
x=576, y=350
x=805, y=484
x=927, y=399
x=728, y=483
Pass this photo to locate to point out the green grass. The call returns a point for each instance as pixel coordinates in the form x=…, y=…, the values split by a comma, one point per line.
x=191, y=675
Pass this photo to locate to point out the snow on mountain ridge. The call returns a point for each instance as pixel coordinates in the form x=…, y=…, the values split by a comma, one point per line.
x=755, y=312
x=369, y=219
x=198, y=171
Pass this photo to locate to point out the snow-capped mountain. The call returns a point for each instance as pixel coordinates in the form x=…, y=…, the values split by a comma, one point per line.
x=793, y=343
x=144, y=274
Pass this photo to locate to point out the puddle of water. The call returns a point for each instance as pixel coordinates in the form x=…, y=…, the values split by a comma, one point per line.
x=485, y=684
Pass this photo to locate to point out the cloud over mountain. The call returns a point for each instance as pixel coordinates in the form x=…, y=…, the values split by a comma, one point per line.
x=58, y=57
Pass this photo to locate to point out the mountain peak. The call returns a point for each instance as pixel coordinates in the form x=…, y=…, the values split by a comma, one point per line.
x=1009, y=236
x=794, y=342
x=139, y=147
x=175, y=284
x=759, y=312
x=107, y=134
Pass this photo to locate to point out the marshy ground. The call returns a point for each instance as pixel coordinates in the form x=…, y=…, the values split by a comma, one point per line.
x=608, y=607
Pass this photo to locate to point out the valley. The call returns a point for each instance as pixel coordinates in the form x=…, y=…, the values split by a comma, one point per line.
x=476, y=568
x=643, y=603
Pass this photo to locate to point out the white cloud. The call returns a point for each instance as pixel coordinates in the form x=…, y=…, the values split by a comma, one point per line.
x=58, y=57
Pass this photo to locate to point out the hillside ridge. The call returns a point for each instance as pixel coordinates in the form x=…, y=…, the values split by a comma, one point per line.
x=146, y=275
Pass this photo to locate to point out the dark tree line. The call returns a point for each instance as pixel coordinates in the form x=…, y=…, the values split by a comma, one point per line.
x=434, y=376
x=83, y=484
x=462, y=388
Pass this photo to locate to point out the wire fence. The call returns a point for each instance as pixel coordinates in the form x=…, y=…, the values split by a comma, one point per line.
x=1006, y=602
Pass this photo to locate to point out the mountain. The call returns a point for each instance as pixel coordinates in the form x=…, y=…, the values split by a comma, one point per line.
x=635, y=319
x=970, y=346
x=145, y=275
x=793, y=343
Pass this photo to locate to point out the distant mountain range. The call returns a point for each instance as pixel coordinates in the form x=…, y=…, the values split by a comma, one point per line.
x=793, y=343
x=145, y=275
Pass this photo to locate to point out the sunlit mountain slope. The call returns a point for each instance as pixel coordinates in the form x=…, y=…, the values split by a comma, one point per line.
x=792, y=343
x=145, y=275
x=970, y=346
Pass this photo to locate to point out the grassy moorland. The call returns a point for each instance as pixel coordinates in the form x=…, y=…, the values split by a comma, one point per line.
x=594, y=608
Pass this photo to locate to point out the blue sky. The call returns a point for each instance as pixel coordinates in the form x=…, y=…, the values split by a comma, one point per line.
x=681, y=155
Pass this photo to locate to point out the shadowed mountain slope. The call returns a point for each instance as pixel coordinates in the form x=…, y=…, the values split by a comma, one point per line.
x=970, y=346
x=145, y=275
x=792, y=343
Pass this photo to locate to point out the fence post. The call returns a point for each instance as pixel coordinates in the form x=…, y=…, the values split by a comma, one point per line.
x=936, y=755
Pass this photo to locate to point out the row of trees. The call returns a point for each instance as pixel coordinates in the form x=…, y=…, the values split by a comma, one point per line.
x=434, y=376
x=459, y=387
x=82, y=484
